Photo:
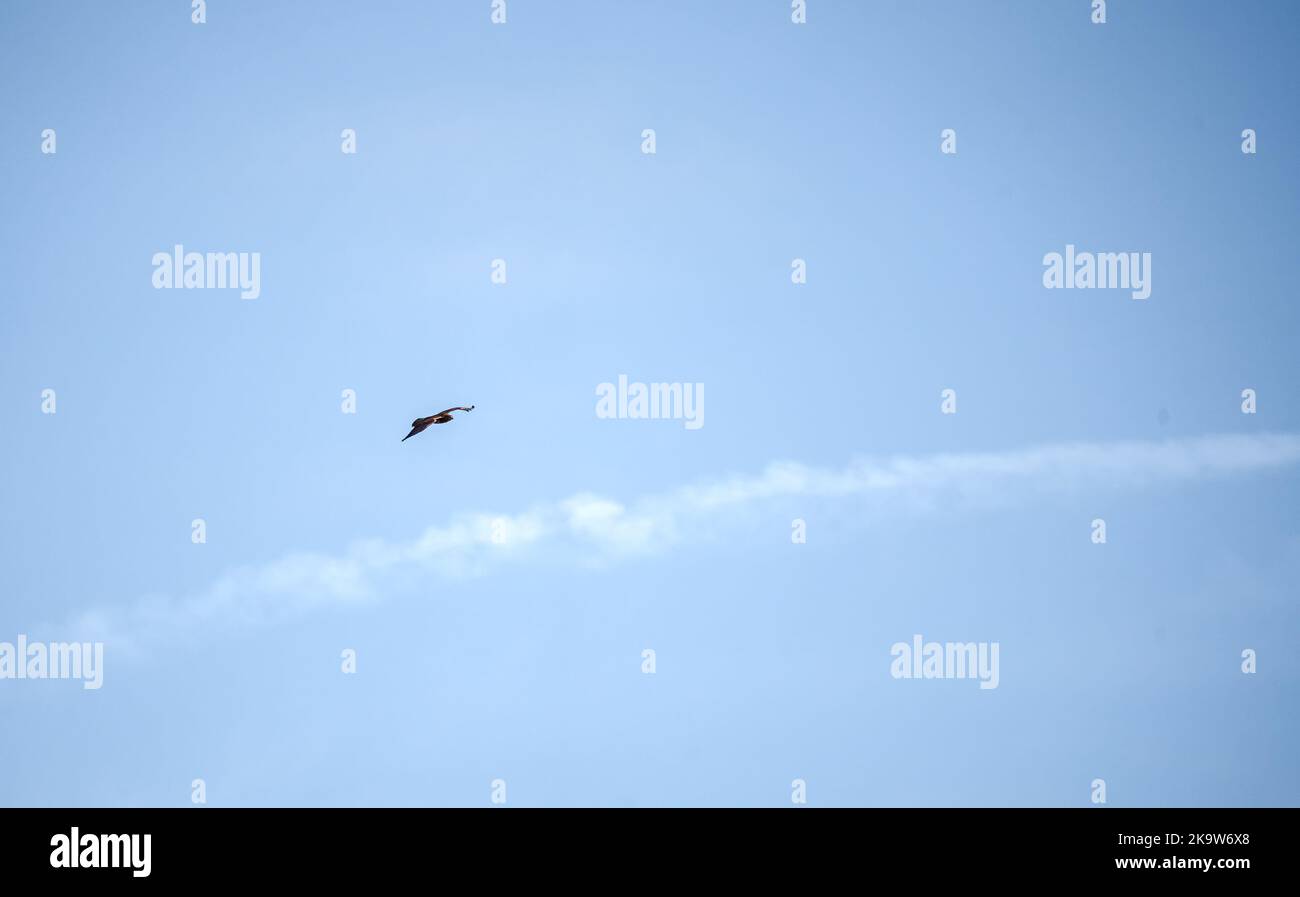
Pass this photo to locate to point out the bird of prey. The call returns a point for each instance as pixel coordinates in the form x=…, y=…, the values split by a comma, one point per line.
x=421, y=424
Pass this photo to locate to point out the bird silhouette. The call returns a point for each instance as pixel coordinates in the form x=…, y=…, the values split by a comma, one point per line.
x=419, y=425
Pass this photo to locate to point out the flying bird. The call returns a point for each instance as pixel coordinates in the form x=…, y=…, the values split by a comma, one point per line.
x=419, y=425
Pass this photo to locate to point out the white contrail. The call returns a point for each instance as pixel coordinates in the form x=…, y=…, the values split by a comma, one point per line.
x=590, y=530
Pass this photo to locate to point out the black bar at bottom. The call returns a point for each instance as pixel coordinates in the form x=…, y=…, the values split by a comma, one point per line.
x=374, y=846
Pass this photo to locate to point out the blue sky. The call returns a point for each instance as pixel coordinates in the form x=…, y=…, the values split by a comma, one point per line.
x=478, y=661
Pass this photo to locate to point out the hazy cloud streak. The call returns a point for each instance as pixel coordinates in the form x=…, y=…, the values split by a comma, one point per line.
x=587, y=530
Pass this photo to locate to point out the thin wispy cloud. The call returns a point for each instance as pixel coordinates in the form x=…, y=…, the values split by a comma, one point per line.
x=587, y=530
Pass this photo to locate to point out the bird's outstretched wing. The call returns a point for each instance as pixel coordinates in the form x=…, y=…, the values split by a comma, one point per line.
x=457, y=408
